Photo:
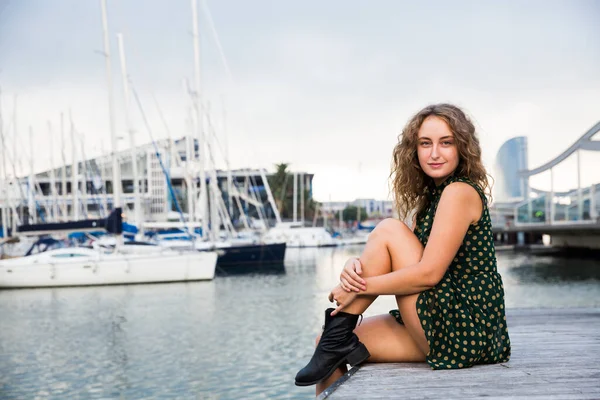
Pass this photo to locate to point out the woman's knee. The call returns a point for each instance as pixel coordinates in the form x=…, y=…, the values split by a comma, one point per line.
x=317, y=340
x=403, y=245
x=390, y=227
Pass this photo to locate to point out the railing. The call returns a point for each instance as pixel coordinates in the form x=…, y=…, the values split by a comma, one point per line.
x=576, y=207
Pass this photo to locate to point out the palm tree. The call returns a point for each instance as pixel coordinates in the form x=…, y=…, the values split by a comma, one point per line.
x=278, y=183
x=351, y=213
x=283, y=193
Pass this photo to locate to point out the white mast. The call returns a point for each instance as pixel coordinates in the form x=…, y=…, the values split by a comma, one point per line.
x=63, y=190
x=103, y=178
x=215, y=193
x=116, y=175
x=295, y=204
x=136, y=180
x=31, y=205
x=229, y=175
x=52, y=174
x=74, y=172
x=14, y=152
x=199, y=121
x=270, y=195
x=84, y=177
x=189, y=178
x=4, y=188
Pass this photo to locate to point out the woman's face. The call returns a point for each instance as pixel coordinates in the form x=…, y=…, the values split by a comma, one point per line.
x=436, y=149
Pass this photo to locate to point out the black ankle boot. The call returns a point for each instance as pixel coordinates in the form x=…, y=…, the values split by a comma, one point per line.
x=338, y=345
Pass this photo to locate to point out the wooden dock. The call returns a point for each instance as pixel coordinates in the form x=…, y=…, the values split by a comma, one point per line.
x=555, y=355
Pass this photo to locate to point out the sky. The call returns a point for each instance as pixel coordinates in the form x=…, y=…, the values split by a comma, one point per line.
x=324, y=86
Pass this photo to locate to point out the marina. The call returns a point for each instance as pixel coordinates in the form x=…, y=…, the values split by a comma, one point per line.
x=180, y=193
x=172, y=215
x=181, y=184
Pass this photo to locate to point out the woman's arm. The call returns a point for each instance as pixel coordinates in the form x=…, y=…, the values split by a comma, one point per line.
x=459, y=207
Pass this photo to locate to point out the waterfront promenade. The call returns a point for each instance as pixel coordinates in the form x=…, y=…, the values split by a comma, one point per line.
x=555, y=355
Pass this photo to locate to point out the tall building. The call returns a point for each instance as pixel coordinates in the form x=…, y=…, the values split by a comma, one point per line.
x=510, y=160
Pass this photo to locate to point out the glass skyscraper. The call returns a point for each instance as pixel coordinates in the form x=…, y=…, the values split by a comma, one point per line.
x=510, y=160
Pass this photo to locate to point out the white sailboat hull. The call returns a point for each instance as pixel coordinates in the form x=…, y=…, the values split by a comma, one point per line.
x=309, y=242
x=50, y=270
x=295, y=236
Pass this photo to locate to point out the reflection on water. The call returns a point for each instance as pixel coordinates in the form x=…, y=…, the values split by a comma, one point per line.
x=545, y=281
x=235, y=337
x=543, y=269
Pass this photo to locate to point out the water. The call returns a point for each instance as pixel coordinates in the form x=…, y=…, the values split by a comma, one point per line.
x=242, y=337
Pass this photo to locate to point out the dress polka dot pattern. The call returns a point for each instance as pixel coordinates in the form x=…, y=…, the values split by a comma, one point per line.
x=463, y=315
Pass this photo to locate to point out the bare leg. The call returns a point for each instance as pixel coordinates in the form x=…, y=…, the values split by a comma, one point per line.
x=391, y=246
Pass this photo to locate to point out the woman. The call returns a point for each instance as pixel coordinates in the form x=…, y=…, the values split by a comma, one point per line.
x=442, y=271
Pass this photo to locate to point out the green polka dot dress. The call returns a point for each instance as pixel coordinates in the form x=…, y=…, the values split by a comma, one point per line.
x=463, y=315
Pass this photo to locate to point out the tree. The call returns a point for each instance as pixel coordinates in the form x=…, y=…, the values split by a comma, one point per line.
x=282, y=187
x=350, y=213
x=278, y=184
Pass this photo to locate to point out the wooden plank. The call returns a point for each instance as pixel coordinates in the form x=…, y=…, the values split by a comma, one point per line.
x=555, y=355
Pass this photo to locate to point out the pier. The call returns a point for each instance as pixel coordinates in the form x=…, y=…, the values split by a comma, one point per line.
x=555, y=355
x=571, y=218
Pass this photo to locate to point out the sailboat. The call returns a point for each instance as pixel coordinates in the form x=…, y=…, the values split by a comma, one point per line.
x=236, y=254
x=77, y=266
x=295, y=233
x=80, y=266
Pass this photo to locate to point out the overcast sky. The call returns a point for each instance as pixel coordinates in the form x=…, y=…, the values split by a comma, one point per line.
x=323, y=85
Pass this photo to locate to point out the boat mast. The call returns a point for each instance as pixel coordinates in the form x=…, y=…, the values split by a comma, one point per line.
x=270, y=195
x=215, y=192
x=295, y=202
x=31, y=205
x=14, y=156
x=227, y=163
x=52, y=175
x=84, y=176
x=190, y=180
x=134, y=164
x=63, y=190
x=116, y=176
x=3, y=187
x=199, y=122
x=74, y=171
x=103, y=179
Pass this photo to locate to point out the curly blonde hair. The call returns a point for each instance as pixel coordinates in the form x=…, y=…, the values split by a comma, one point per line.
x=409, y=183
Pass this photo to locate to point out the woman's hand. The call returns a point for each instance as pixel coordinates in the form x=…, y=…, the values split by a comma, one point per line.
x=350, y=279
x=341, y=298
